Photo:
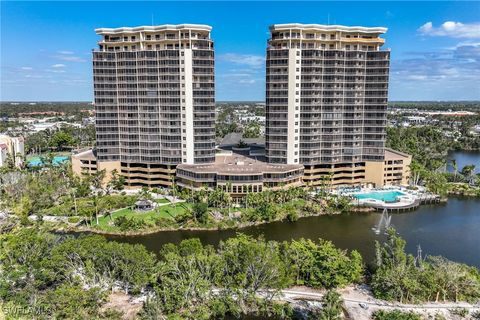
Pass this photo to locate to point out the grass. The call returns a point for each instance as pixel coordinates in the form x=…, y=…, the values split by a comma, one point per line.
x=168, y=212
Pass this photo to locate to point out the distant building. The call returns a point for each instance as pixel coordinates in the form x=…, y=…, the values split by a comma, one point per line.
x=3, y=154
x=41, y=113
x=248, y=119
x=13, y=146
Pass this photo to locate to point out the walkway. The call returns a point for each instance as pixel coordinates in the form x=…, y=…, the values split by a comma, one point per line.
x=360, y=303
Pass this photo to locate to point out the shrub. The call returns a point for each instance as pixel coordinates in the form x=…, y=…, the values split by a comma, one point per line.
x=292, y=216
x=74, y=219
x=461, y=312
x=126, y=223
x=395, y=315
x=475, y=315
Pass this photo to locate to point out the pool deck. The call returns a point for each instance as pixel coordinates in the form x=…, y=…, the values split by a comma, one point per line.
x=401, y=205
x=410, y=200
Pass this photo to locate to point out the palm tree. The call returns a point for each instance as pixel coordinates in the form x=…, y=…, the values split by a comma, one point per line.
x=454, y=165
x=172, y=178
x=468, y=172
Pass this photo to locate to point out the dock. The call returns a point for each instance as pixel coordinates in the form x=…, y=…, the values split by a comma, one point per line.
x=401, y=207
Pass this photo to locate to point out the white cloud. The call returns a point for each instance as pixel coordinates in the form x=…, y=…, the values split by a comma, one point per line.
x=247, y=81
x=459, y=64
x=26, y=68
x=417, y=77
x=58, y=65
x=452, y=29
x=57, y=70
x=255, y=61
x=33, y=76
x=68, y=56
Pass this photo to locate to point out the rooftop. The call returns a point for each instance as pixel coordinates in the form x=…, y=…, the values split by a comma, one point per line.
x=322, y=27
x=163, y=27
x=391, y=154
x=239, y=164
x=85, y=155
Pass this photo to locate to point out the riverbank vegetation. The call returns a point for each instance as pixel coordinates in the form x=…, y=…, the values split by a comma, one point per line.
x=402, y=277
x=66, y=277
x=428, y=146
x=53, y=193
x=71, y=277
x=215, y=209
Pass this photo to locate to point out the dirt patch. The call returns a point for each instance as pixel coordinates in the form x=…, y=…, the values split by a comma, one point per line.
x=123, y=303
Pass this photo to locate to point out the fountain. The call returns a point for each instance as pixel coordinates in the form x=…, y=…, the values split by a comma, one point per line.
x=384, y=223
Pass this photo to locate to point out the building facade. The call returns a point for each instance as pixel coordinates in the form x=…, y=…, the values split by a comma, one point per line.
x=326, y=100
x=239, y=173
x=13, y=147
x=154, y=100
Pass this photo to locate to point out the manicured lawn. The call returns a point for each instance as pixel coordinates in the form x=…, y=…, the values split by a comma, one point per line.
x=168, y=211
x=162, y=200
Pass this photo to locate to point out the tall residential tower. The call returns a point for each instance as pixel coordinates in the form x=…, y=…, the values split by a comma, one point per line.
x=327, y=89
x=154, y=100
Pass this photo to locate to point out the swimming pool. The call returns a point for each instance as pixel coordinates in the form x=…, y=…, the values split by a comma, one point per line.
x=385, y=196
x=37, y=161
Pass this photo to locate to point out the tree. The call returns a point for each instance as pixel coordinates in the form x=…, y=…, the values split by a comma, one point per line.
x=248, y=265
x=395, y=315
x=468, y=172
x=117, y=181
x=397, y=276
x=417, y=172
x=200, y=212
x=185, y=276
x=322, y=265
x=331, y=306
x=62, y=139
x=454, y=164
x=73, y=302
x=97, y=179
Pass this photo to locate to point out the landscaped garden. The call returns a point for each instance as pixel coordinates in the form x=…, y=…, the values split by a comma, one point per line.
x=130, y=219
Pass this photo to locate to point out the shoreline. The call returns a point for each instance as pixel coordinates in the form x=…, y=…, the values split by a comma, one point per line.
x=354, y=210
x=175, y=229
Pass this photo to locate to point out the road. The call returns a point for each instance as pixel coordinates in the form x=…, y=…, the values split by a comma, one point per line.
x=354, y=297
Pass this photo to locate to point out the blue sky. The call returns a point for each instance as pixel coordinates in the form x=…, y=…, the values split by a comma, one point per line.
x=46, y=46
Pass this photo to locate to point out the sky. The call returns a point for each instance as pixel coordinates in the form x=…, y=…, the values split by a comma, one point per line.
x=46, y=46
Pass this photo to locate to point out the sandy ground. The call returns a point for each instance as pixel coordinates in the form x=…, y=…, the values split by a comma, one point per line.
x=360, y=303
x=124, y=303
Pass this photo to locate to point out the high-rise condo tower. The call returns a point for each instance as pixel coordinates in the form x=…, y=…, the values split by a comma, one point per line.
x=326, y=100
x=154, y=100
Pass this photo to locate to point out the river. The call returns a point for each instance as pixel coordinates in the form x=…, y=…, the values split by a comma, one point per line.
x=464, y=158
x=451, y=229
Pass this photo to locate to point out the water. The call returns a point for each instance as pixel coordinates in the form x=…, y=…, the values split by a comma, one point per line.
x=37, y=161
x=464, y=158
x=386, y=196
x=451, y=230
